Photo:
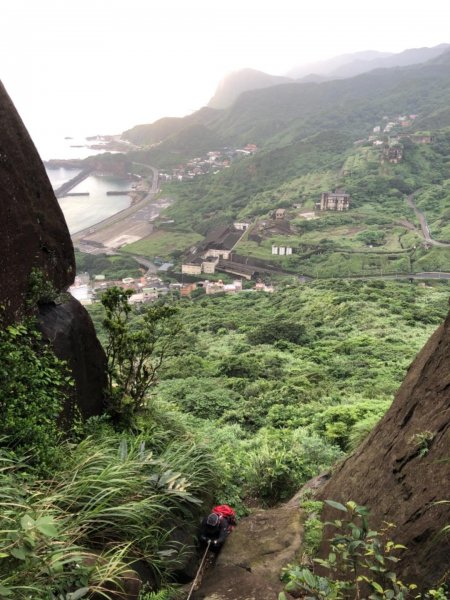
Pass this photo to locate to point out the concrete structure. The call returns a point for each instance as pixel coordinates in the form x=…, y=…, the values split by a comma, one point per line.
x=192, y=268
x=393, y=153
x=209, y=266
x=82, y=293
x=216, y=287
x=279, y=213
x=241, y=226
x=338, y=200
x=282, y=250
x=187, y=289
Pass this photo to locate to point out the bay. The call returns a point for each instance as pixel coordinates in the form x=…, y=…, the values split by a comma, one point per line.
x=82, y=212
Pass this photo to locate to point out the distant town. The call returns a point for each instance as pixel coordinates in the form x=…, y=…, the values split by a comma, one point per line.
x=150, y=288
x=219, y=251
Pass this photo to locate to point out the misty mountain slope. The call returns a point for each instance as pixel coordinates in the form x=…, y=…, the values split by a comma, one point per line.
x=194, y=140
x=154, y=133
x=232, y=86
x=350, y=65
x=413, y=56
x=285, y=113
x=352, y=104
x=325, y=67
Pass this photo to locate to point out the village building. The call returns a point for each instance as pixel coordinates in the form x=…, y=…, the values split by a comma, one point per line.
x=262, y=287
x=150, y=294
x=193, y=267
x=393, y=153
x=338, y=200
x=83, y=293
x=418, y=138
x=220, y=242
x=241, y=226
x=165, y=267
x=187, y=289
x=279, y=213
x=216, y=287
x=209, y=265
x=282, y=250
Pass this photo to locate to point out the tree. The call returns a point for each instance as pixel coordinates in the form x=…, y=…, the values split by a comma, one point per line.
x=137, y=345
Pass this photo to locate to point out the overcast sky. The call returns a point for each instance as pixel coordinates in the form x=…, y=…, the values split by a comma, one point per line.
x=101, y=66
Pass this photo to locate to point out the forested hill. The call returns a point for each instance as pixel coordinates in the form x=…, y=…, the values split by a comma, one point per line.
x=314, y=137
x=279, y=115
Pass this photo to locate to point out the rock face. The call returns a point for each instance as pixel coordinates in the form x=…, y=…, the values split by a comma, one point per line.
x=403, y=468
x=70, y=331
x=33, y=231
x=34, y=237
x=248, y=567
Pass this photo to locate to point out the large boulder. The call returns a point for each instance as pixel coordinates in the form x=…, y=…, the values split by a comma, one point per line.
x=33, y=231
x=37, y=261
x=69, y=329
x=402, y=470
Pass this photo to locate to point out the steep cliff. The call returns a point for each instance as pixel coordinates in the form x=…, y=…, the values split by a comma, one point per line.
x=34, y=239
x=402, y=470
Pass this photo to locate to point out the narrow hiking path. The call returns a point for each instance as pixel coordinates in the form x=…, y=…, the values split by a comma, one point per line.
x=249, y=565
x=424, y=225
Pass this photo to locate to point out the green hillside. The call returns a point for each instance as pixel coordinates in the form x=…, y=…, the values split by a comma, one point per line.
x=282, y=114
x=314, y=138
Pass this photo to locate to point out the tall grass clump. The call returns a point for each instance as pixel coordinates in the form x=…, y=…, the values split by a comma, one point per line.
x=113, y=503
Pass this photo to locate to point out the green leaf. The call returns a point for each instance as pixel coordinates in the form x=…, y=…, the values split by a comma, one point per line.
x=47, y=527
x=3, y=555
x=5, y=591
x=26, y=522
x=336, y=505
x=18, y=553
x=377, y=587
x=282, y=596
x=80, y=593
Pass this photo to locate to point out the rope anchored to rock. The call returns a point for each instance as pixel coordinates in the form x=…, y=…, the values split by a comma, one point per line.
x=198, y=571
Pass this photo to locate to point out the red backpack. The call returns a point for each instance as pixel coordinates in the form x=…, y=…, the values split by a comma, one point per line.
x=225, y=511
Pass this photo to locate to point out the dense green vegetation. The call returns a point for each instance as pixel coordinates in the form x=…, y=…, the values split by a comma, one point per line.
x=238, y=399
x=281, y=385
x=258, y=393
x=112, y=267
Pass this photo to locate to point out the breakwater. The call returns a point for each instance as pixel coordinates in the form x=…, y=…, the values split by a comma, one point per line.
x=69, y=185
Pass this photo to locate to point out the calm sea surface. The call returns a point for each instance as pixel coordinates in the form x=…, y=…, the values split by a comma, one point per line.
x=83, y=211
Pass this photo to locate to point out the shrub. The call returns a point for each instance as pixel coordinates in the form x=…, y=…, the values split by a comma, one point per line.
x=34, y=386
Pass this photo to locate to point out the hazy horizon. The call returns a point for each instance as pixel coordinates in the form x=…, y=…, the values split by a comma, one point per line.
x=103, y=67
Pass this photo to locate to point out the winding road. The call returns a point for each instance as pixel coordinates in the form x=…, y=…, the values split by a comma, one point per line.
x=424, y=225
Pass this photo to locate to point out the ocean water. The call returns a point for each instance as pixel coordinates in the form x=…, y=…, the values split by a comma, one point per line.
x=81, y=212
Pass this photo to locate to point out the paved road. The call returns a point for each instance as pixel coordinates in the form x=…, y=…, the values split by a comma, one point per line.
x=133, y=222
x=424, y=225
